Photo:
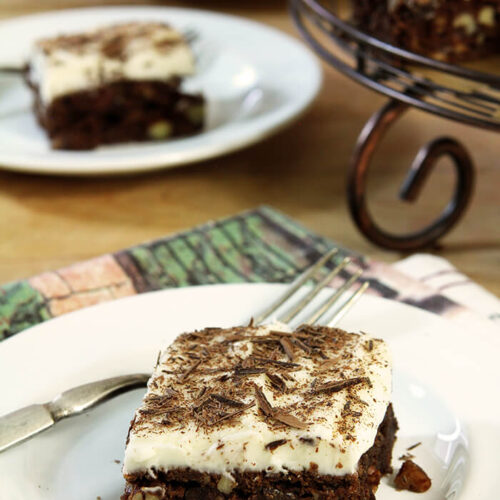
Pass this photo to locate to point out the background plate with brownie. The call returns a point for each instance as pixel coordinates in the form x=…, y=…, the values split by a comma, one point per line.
x=132, y=88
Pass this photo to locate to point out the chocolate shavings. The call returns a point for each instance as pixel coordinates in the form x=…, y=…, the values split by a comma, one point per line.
x=282, y=364
x=358, y=400
x=413, y=446
x=202, y=392
x=308, y=440
x=277, y=382
x=264, y=404
x=348, y=412
x=199, y=403
x=340, y=385
x=114, y=47
x=287, y=377
x=227, y=401
x=290, y=420
x=278, y=333
x=264, y=340
x=190, y=370
x=248, y=371
x=233, y=338
x=351, y=413
x=322, y=355
x=302, y=345
x=234, y=413
x=288, y=348
x=276, y=414
x=327, y=363
x=275, y=444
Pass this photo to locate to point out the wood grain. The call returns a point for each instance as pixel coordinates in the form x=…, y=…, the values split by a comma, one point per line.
x=48, y=222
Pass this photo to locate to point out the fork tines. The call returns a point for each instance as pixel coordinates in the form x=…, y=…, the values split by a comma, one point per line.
x=320, y=283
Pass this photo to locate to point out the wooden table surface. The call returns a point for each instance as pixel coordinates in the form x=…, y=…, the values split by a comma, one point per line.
x=48, y=222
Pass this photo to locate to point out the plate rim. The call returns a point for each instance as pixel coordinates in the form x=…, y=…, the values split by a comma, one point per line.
x=477, y=474
x=163, y=159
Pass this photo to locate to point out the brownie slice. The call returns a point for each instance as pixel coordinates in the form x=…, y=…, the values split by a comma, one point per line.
x=116, y=84
x=120, y=111
x=264, y=413
x=446, y=30
x=308, y=484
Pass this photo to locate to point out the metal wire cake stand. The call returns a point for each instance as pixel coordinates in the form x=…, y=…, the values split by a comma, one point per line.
x=409, y=80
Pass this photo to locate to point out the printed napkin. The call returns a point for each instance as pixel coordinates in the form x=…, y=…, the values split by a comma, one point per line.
x=437, y=273
x=261, y=245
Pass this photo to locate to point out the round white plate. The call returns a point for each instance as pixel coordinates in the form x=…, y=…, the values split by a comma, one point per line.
x=445, y=389
x=256, y=80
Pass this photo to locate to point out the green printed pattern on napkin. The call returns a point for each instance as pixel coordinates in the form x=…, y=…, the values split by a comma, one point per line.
x=261, y=245
x=21, y=306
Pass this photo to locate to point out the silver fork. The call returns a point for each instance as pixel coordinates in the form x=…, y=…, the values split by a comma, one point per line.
x=25, y=423
x=302, y=304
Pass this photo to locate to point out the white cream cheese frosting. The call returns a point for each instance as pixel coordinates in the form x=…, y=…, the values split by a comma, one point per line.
x=133, y=51
x=338, y=388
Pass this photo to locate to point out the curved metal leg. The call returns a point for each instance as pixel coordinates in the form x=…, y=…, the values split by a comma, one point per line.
x=422, y=166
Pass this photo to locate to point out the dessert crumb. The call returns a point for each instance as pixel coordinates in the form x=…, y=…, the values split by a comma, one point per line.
x=413, y=478
x=413, y=446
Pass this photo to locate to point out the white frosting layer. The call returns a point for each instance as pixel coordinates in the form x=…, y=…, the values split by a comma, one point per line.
x=149, y=52
x=327, y=441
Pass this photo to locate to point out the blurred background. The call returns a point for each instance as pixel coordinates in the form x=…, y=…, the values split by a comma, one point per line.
x=300, y=171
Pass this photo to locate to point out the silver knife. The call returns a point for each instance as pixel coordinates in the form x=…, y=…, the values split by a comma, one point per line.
x=27, y=422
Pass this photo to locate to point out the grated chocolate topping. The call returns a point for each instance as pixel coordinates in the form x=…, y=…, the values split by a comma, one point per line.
x=215, y=378
x=116, y=41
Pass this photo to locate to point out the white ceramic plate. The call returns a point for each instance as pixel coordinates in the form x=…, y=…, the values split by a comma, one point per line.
x=256, y=80
x=445, y=389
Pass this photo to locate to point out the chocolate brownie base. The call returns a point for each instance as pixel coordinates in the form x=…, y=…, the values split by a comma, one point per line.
x=122, y=111
x=448, y=30
x=192, y=485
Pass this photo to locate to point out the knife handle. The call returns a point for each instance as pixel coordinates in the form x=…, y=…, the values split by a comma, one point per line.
x=22, y=424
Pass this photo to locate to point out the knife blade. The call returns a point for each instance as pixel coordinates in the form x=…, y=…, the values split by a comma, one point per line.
x=27, y=422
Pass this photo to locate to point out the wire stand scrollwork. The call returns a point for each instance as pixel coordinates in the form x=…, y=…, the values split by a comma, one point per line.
x=409, y=80
x=422, y=166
